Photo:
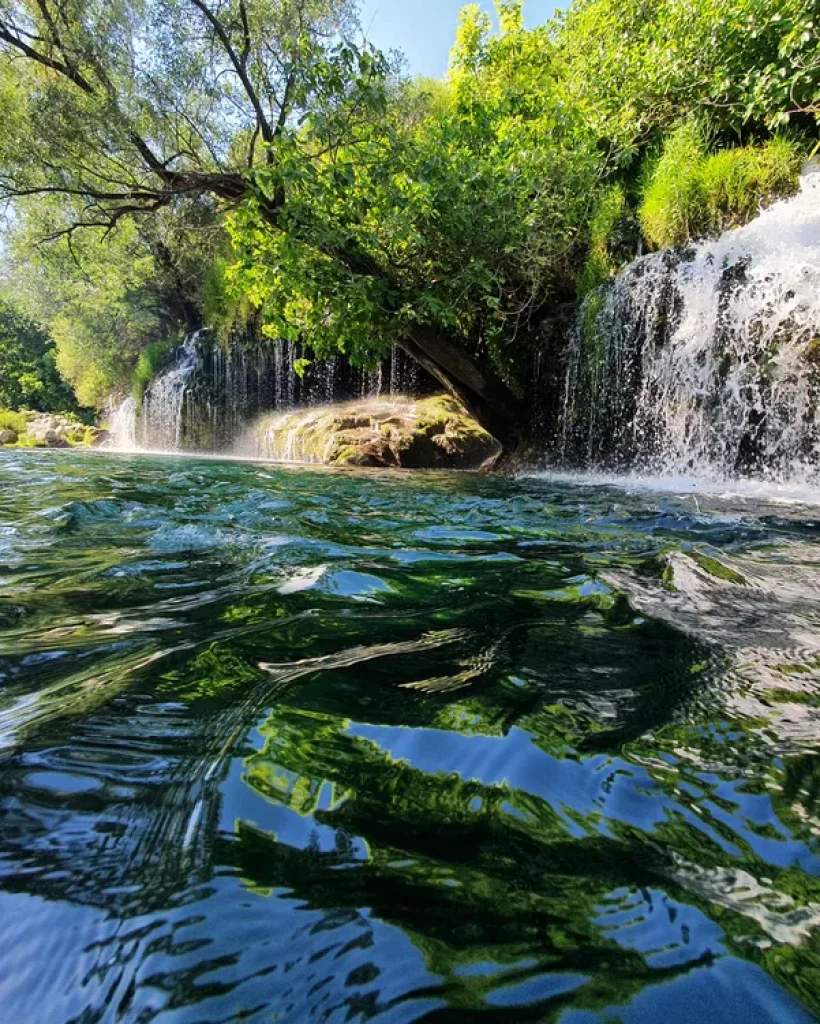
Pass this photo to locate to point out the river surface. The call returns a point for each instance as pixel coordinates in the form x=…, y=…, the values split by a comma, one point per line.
x=295, y=745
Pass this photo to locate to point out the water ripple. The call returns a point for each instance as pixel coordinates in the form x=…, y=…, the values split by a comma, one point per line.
x=323, y=745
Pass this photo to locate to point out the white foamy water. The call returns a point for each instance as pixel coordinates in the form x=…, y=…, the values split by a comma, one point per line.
x=706, y=362
x=163, y=401
x=123, y=430
x=682, y=485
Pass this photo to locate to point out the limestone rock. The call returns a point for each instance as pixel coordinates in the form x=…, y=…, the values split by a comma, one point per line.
x=428, y=433
x=53, y=439
x=56, y=431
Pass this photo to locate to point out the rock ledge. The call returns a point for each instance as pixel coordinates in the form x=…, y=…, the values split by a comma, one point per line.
x=425, y=433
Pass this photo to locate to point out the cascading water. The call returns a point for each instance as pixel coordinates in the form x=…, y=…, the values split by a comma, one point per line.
x=123, y=426
x=163, y=401
x=206, y=399
x=705, y=360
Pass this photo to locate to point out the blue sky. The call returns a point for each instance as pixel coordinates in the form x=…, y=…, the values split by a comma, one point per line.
x=425, y=29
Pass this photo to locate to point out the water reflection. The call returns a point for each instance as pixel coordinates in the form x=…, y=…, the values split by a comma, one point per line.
x=347, y=746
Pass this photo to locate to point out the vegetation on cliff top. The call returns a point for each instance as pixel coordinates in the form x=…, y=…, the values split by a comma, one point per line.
x=692, y=193
x=258, y=157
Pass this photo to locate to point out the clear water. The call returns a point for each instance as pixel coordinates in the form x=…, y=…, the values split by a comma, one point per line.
x=291, y=744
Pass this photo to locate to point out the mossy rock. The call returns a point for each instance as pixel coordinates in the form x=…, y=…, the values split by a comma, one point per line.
x=429, y=433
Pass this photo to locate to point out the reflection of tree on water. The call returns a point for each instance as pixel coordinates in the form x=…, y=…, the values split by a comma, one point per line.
x=555, y=824
x=473, y=872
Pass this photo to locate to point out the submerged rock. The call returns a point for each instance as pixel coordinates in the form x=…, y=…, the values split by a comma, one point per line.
x=428, y=433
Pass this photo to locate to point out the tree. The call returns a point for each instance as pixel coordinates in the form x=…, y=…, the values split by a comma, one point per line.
x=104, y=299
x=639, y=67
x=270, y=110
x=447, y=224
x=28, y=372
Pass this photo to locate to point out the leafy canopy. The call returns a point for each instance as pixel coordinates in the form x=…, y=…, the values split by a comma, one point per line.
x=454, y=210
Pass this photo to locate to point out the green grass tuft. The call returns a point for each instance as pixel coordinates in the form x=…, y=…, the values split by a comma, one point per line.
x=10, y=420
x=692, y=194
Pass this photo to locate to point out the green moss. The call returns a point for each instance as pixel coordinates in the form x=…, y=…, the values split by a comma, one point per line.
x=600, y=266
x=223, y=306
x=792, y=697
x=593, y=341
x=717, y=569
x=151, y=361
x=690, y=193
x=443, y=414
x=807, y=668
x=348, y=454
x=430, y=432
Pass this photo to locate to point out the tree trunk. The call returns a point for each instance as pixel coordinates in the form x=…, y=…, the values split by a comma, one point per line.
x=477, y=387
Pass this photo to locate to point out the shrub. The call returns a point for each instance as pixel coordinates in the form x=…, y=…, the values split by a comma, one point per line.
x=600, y=265
x=691, y=194
x=15, y=421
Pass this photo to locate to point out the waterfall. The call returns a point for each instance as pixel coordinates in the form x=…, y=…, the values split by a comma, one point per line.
x=706, y=359
x=123, y=427
x=206, y=399
x=163, y=401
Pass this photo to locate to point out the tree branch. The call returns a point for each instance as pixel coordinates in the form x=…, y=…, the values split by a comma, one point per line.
x=239, y=66
x=47, y=62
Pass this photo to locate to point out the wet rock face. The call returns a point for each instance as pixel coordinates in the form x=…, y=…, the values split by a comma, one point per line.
x=429, y=433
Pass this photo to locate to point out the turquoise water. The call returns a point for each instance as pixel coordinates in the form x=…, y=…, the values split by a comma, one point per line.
x=301, y=745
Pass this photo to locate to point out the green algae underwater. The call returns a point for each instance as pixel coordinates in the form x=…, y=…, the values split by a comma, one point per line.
x=299, y=744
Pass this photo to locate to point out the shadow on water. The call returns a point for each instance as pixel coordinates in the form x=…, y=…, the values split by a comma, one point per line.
x=302, y=745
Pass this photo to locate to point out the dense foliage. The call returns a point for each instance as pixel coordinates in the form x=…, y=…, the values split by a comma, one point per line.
x=463, y=205
x=105, y=299
x=456, y=218
x=639, y=67
x=29, y=378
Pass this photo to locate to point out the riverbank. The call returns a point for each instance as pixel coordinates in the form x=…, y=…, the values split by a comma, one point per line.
x=30, y=429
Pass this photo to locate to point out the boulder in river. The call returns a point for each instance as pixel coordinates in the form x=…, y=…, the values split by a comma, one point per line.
x=427, y=433
x=8, y=436
x=53, y=439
